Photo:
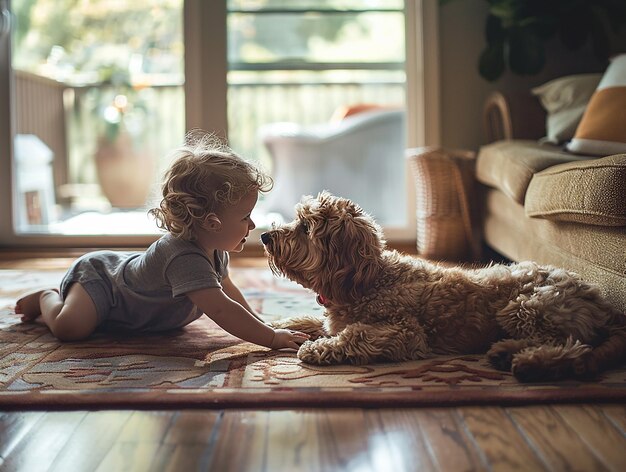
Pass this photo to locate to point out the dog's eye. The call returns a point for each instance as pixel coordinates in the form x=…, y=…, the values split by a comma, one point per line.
x=304, y=227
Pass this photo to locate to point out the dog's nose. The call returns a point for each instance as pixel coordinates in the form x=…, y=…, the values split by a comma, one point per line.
x=265, y=238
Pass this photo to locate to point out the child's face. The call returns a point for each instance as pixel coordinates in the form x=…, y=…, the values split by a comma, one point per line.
x=236, y=224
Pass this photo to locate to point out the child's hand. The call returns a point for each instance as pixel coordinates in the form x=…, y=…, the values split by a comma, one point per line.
x=288, y=338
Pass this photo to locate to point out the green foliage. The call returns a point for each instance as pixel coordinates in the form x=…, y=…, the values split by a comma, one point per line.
x=92, y=36
x=517, y=30
x=21, y=11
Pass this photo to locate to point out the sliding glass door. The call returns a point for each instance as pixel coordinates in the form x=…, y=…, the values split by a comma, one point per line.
x=95, y=93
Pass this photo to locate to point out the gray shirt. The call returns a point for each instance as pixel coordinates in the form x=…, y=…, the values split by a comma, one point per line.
x=146, y=291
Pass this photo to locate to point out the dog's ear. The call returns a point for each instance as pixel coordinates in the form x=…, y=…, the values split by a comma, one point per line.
x=355, y=248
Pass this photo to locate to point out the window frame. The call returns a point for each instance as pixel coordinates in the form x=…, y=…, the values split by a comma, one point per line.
x=205, y=81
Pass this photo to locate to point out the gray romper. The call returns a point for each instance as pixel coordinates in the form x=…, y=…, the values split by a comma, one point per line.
x=145, y=291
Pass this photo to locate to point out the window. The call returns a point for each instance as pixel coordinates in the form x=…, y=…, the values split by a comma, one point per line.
x=99, y=93
x=99, y=100
x=300, y=66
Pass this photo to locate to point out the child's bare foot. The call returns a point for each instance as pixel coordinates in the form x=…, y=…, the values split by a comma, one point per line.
x=28, y=305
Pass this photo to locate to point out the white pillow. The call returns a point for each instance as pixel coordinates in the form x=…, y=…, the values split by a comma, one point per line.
x=602, y=130
x=565, y=100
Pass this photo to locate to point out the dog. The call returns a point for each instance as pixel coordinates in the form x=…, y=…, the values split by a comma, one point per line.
x=542, y=323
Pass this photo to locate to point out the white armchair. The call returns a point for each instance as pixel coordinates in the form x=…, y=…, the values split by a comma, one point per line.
x=360, y=157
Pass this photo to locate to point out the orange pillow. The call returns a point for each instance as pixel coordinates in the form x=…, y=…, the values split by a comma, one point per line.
x=602, y=129
x=345, y=111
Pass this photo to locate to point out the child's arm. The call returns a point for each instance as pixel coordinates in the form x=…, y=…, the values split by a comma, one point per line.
x=235, y=294
x=238, y=321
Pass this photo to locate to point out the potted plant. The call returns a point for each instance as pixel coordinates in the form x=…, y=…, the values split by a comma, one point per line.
x=517, y=30
x=125, y=168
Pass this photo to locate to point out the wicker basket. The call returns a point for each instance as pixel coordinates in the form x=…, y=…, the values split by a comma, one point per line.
x=444, y=182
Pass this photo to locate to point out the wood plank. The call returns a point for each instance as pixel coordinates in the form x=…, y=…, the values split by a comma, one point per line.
x=91, y=441
x=449, y=445
x=241, y=442
x=498, y=439
x=14, y=426
x=309, y=440
x=616, y=414
x=133, y=456
x=600, y=435
x=37, y=450
x=184, y=457
x=404, y=442
x=146, y=426
x=139, y=444
x=293, y=442
x=344, y=440
x=191, y=435
x=167, y=455
x=192, y=427
x=560, y=447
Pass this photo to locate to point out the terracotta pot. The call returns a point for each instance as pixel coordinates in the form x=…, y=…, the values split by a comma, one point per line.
x=126, y=174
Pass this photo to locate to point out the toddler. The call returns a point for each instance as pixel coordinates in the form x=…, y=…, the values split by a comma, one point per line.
x=208, y=195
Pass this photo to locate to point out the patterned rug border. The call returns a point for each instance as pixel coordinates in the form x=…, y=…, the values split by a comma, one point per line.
x=69, y=400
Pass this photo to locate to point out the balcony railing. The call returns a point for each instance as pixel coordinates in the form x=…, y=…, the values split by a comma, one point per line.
x=68, y=118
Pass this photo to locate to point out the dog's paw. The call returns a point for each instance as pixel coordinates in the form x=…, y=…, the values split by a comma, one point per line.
x=554, y=362
x=499, y=358
x=532, y=368
x=310, y=325
x=501, y=353
x=316, y=353
x=526, y=371
x=585, y=367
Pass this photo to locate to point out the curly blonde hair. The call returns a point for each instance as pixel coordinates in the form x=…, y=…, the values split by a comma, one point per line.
x=205, y=176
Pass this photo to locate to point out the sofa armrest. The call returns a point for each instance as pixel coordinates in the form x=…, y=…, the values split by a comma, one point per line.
x=513, y=116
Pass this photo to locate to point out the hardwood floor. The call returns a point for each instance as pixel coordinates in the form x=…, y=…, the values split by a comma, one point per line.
x=557, y=437
x=590, y=437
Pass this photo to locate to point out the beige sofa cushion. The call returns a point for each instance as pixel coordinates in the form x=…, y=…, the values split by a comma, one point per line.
x=510, y=165
x=591, y=192
x=595, y=252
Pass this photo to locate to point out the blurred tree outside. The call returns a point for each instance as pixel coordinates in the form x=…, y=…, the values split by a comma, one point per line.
x=333, y=31
x=90, y=41
x=86, y=41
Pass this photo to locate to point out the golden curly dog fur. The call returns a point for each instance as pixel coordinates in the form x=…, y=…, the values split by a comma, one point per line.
x=541, y=322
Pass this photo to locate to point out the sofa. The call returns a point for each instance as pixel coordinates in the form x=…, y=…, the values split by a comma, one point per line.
x=541, y=202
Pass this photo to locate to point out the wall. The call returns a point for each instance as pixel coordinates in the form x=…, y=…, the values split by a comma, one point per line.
x=463, y=90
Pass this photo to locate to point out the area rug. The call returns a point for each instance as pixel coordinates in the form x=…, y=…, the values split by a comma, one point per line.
x=203, y=366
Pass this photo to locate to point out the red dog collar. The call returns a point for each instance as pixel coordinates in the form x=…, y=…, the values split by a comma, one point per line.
x=321, y=300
